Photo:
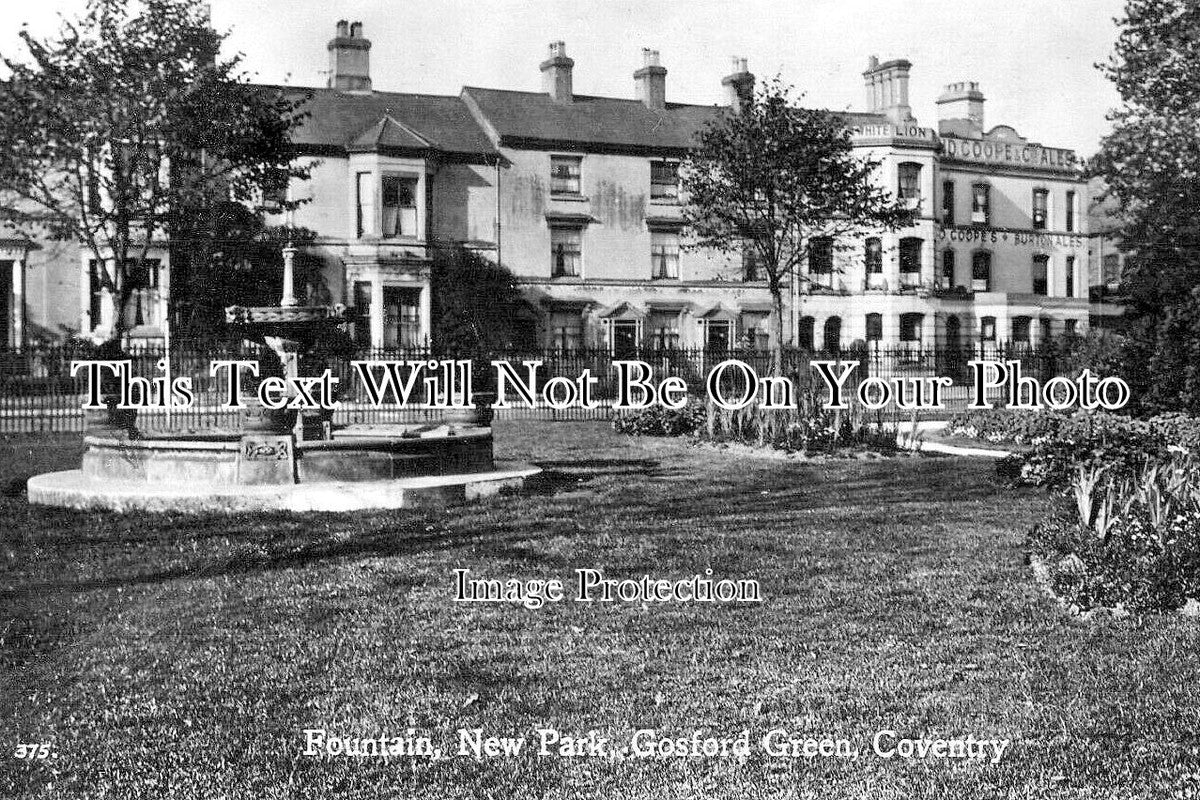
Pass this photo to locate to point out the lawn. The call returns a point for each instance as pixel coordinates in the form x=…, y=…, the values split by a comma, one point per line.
x=184, y=657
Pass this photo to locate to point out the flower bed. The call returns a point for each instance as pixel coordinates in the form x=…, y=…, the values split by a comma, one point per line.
x=809, y=428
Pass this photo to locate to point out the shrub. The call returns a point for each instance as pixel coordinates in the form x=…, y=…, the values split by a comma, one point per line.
x=1092, y=439
x=1005, y=425
x=659, y=421
x=1131, y=542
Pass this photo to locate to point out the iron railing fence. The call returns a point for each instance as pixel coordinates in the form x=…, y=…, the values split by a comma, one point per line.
x=39, y=394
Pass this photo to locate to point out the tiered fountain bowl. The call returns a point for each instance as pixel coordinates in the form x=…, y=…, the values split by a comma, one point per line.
x=276, y=462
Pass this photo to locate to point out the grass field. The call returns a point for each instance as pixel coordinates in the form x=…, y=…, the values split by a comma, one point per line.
x=177, y=657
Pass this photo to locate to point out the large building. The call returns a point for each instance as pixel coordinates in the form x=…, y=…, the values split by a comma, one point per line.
x=579, y=196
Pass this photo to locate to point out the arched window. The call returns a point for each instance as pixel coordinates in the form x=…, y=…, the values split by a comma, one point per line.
x=953, y=332
x=833, y=334
x=1020, y=330
x=805, y=334
x=874, y=327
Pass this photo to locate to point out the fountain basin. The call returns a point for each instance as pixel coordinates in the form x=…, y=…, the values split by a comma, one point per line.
x=386, y=466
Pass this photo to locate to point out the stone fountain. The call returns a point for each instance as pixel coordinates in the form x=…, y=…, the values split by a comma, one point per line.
x=281, y=461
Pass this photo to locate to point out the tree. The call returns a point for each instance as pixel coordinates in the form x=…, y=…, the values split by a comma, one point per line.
x=476, y=303
x=127, y=123
x=1150, y=163
x=773, y=178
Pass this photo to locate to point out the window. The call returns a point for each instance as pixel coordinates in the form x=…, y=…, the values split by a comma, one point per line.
x=275, y=192
x=750, y=265
x=664, y=331
x=1041, y=208
x=947, y=202
x=365, y=204
x=987, y=329
x=804, y=336
x=1070, y=276
x=981, y=204
x=873, y=256
x=833, y=334
x=981, y=271
x=564, y=174
x=624, y=338
x=399, y=206
x=948, y=268
x=874, y=327
x=717, y=334
x=910, y=181
x=362, y=308
x=566, y=252
x=910, y=261
x=95, y=291
x=754, y=331
x=910, y=327
x=401, y=317
x=565, y=337
x=1070, y=212
x=820, y=255
x=1045, y=329
x=1040, y=270
x=1110, y=265
x=1020, y=329
x=1071, y=327
x=664, y=180
x=664, y=254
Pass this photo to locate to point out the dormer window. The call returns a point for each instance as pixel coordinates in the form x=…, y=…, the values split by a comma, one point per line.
x=565, y=174
x=664, y=180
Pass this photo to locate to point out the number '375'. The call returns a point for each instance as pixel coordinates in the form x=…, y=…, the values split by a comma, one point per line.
x=32, y=751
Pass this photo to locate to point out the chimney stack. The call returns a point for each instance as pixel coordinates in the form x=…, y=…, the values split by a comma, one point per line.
x=961, y=101
x=556, y=73
x=651, y=81
x=887, y=89
x=739, y=85
x=350, y=59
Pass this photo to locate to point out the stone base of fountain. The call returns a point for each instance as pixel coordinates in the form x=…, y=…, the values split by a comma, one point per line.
x=366, y=467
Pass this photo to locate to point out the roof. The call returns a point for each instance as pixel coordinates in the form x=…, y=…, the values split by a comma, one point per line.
x=588, y=122
x=386, y=120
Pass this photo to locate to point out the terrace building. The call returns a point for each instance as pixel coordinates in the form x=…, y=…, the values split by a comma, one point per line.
x=579, y=196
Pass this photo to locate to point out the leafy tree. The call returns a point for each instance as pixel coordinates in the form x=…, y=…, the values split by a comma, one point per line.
x=1150, y=163
x=476, y=303
x=775, y=177
x=127, y=122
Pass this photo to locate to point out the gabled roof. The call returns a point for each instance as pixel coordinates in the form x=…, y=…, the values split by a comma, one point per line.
x=588, y=123
x=344, y=121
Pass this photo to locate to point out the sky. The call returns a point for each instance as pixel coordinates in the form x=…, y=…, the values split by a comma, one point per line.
x=1035, y=60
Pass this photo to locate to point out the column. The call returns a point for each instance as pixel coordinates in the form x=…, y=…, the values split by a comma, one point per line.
x=376, y=312
x=17, y=332
x=426, y=315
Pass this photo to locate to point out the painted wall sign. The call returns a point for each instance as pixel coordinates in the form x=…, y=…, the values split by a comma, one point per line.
x=1014, y=153
x=1020, y=238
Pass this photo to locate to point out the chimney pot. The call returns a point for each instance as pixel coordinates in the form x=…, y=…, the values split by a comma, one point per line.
x=343, y=28
x=356, y=29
